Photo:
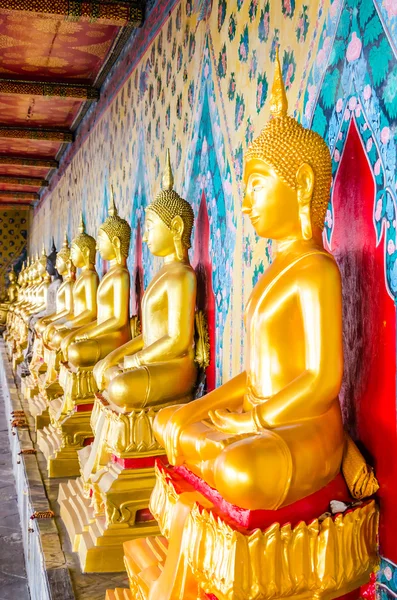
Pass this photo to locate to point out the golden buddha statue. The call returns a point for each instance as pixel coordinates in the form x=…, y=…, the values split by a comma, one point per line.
x=45, y=358
x=45, y=327
x=111, y=327
x=11, y=298
x=84, y=302
x=11, y=317
x=272, y=435
x=84, y=346
x=164, y=353
x=155, y=369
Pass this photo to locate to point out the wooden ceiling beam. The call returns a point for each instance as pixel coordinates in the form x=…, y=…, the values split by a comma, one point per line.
x=28, y=161
x=27, y=196
x=49, y=89
x=105, y=12
x=36, y=133
x=15, y=180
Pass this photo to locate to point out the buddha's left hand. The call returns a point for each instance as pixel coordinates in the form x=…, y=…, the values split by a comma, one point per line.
x=132, y=362
x=81, y=338
x=232, y=422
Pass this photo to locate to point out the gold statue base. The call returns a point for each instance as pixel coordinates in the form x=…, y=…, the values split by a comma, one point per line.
x=39, y=404
x=29, y=387
x=60, y=443
x=110, y=506
x=325, y=558
x=69, y=429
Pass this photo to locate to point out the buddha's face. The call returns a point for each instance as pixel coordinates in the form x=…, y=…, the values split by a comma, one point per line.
x=271, y=204
x=11, y=277
x=158, y=237
x=77, y=256
x=61, y=265
x=41, y=269
x=105, y=246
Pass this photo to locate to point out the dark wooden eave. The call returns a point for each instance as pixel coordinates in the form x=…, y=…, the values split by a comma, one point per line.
x=106, y=12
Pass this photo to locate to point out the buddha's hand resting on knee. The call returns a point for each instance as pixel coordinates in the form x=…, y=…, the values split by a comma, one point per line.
x=99, y=373
x=180, y=419
x=233, y=422
x=238, y=422
x=81, y=338
x=132, y=362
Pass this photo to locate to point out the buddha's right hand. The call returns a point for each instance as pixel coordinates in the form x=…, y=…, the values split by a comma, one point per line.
x=182, y=417
x=99, y=373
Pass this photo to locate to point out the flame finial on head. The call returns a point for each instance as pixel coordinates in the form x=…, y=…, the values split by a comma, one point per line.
x=81, y=225
x=65, y=243
x=278, y=98
x=168, y=177
x=112, y=210
x=43, y=250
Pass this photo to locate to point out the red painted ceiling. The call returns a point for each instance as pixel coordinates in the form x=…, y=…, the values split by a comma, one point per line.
x=49, y=49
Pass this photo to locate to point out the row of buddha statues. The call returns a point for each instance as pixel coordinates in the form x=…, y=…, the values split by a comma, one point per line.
x=251, y=491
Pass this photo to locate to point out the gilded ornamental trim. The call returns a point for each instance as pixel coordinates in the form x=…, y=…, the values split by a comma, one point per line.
x=32, y=133
x=43, y=88
x=27, y=161
x=116, y=12
x=35, y=181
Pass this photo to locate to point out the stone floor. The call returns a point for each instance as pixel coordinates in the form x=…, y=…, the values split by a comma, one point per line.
x=55, y=553
x=13, y=581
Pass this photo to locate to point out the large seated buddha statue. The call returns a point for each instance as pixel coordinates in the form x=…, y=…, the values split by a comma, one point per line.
x=246, y=508
x=48, y=387
x=82, y=348
x=109, y=503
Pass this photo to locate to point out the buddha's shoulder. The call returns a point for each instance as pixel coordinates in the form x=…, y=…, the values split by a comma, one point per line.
x=317, y=264
x=181, y=270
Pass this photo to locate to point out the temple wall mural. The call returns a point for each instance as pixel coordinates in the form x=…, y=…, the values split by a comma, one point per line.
x=196, y=81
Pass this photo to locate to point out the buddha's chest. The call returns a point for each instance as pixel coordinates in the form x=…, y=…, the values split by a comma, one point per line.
x=80, y=292
x=105, y=289
x=155, y=299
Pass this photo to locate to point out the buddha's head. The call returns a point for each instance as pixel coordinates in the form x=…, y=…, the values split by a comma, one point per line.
x=41, y=264
x=287, y=174
x=51, y=261
x=12, y=277
x=83, y=248
x=114, y=236
x=169, y=220
x=63, y=262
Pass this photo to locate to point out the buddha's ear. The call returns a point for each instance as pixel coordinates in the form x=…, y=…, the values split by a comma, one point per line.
x=305, y=183
x=304, y=188
x=117, y=245
x=177, y=226
x=86, y=254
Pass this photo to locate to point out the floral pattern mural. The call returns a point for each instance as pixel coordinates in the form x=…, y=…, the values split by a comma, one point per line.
x=217, y=59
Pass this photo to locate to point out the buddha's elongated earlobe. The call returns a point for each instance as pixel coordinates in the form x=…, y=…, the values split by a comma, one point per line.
x=305, y=185
x=177, y=228
x=117, y=249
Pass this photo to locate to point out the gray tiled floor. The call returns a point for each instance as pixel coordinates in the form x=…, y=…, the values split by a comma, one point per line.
x=13, y=583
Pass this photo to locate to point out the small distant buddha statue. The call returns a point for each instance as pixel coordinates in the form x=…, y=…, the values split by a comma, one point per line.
x=158, y=366
x=10, y=298
x=13, y=287
x=111, y=328
x=82, y=256
x=45, y=327
x=53, y=280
